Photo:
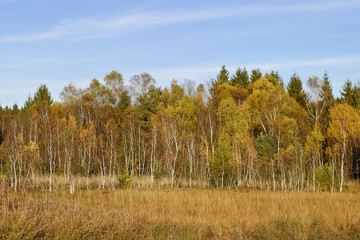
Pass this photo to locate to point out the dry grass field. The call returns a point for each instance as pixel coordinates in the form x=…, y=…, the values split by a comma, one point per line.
x=178, y=213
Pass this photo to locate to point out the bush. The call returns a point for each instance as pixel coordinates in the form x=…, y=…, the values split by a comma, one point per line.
x=323, y=176
x=125, y=180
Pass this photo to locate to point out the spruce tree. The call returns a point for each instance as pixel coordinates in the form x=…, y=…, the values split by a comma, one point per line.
x=124, y=102
x=347, y=93
x=356, y=94
x=294, y=87
x=41, y=94
x=241, y=77
x=327, y=102
x=326, y=89
x=222, y=77
x=326, y=81
x=147, y=105
x=28, y=103
x=255, y=75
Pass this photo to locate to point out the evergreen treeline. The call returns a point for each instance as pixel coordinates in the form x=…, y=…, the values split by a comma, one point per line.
x=243, y=130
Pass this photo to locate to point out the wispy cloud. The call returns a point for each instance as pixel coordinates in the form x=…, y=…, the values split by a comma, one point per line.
x=79, y=29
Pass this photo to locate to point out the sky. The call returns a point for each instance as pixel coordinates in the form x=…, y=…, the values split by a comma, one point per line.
x=55, y=42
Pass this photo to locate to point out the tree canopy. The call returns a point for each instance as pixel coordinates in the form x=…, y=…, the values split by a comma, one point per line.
x=243, y=131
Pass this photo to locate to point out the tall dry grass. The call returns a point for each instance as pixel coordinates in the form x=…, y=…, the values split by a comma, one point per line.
x=183, y=213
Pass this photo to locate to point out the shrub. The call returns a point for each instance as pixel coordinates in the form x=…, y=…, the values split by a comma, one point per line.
x=125, y=180
x=323, y=176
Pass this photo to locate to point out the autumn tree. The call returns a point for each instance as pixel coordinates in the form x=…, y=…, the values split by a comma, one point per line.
x=276, y=115
x=141, y=83
x=115, y=82
x=220, y=165
x=226, y=133
x=98, y=94
x=313, y=148
x=343, y=134
x=275, y=78
x=187, y=120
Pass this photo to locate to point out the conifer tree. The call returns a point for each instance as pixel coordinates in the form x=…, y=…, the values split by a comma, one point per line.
x=241, y=77
x=326, y=81
x=124, y=101
x=356, y=94
x=255, y=75
x=327, y=101
x=41, y=94
x=147, y=104
x=347, y=94
x=222, y=77
x=294, y=88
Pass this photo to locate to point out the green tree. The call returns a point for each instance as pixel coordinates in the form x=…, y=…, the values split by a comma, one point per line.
x=220, y=166
x=356, y=93
x=255, y=75
x=222, y=77
x=241, y=77
x=295, y=89
x=42, y=94
x=346, y=92
x=349, y=94
x=28, y=103
x=177, y=92
x=124, y=102
x=326, y=81
x=148, y=104
x=327, y=101
x=326, y=89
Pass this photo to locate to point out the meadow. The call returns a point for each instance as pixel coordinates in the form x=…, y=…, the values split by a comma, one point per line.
x=159, y=212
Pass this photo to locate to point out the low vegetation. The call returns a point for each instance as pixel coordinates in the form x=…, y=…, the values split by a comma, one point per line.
x=178, y=213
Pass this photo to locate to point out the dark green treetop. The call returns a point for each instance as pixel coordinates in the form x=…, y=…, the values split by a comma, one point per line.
x=347, y=93
x=294, y=87
x=241, y=77
x=255, y=75
x=42, y=94
x=222, y=77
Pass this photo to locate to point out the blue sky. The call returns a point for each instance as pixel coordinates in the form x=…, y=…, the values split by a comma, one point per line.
x=61, y=41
